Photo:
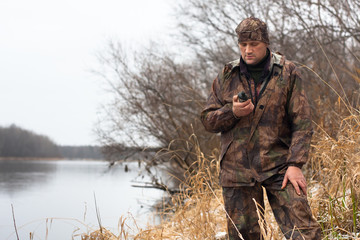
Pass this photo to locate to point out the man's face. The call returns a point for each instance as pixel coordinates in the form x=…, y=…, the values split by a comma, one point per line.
x=253, y=51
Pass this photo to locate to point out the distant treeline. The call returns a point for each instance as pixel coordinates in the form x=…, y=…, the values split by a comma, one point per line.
x=81, y=152
x=21, y=143
x=17, y=142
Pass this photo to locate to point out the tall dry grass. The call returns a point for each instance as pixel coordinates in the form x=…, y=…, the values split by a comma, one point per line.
x=335, y=180
x=197, y=212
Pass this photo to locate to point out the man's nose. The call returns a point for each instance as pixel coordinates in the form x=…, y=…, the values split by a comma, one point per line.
x=248, y=49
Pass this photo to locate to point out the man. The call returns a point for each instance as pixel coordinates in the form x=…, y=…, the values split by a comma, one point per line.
x=265, y=140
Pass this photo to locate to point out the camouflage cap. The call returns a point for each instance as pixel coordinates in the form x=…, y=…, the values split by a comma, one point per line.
x=252, y=29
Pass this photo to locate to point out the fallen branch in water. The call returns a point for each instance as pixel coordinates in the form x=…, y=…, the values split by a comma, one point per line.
x=158, y=186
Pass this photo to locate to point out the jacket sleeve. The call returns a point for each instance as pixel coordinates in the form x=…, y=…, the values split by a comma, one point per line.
x=300, y=118
x=217, y=116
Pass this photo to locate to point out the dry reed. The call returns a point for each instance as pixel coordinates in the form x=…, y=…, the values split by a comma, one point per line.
x=197, y=212
x=335, y=181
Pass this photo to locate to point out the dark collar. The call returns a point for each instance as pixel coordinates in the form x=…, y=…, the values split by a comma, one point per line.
x=266, y=71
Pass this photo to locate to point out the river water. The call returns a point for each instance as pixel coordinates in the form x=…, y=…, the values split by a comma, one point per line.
x=56, y=199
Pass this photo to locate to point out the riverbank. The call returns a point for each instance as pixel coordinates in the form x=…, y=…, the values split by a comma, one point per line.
x=333, y=192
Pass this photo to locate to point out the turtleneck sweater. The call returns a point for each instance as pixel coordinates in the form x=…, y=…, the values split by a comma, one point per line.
x=256, y=70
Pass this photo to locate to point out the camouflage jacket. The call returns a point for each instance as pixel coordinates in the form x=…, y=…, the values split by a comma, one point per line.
x=276, y=135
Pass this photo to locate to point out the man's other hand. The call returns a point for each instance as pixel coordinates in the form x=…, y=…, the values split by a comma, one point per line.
x=297, y=179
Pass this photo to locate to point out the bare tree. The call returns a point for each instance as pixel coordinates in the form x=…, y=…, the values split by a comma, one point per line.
x=156, y=103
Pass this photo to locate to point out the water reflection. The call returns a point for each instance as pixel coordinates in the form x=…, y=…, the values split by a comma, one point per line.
x=41, y=190
x=17, y=175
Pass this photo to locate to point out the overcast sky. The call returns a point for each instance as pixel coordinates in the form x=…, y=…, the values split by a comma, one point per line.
x=47, y=49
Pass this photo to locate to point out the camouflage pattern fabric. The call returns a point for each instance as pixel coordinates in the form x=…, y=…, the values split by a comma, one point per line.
x=252, y=29
x=276, y=135
x=291, y=211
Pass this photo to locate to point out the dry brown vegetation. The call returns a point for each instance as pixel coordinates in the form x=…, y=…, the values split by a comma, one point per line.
x=335, y=166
